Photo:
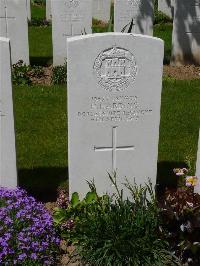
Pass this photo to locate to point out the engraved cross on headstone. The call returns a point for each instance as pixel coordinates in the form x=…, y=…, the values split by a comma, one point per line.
x=114, y=148
x=6, y=17
x=71, y=26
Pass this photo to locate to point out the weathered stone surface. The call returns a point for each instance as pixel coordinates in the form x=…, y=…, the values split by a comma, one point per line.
x=141, y=11
x=186, y=33
x=48, y=10
x=166, y=7
x=28, y=8
x=14, y=25
x=8, y=170
x=114, y=92
x=101, y=10
x=197, y=189
x=69, y=18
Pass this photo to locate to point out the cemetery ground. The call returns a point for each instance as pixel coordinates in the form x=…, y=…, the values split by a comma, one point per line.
x=41, y=114
x=41, y=126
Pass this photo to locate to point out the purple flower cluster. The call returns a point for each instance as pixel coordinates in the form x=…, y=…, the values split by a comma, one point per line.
x=27, y=234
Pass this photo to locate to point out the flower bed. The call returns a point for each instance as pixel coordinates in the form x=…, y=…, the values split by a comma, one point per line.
x=27, y=234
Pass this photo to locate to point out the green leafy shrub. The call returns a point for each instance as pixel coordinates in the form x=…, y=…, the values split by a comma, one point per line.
x=60, y=74
x=36, y=72
x=20, y=73
x=38, y=22
x=110, y=230
x=23, y=74
x=181, y=218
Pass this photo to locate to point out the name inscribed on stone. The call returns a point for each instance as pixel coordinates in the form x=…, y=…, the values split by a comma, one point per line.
x=122, y=108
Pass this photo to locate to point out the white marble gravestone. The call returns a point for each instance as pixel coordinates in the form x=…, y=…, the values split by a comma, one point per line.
x=141, y=11
x=14, y=25
x=8, y=170
x=101, y=10
x=48, y=10
x=186, y=33
x=69, y=18
x=166, y=7
x=28, y=8
x=114, y=95
x=197, y=188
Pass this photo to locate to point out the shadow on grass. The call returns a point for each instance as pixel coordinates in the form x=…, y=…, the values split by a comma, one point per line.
x=42, y=183
x=41, y=61
x=165, y=175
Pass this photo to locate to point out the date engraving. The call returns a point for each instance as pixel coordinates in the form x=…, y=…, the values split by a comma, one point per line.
x=114, y=109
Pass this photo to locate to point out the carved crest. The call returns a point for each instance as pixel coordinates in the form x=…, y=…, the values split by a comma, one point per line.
x=72, y=3
x=115, y=68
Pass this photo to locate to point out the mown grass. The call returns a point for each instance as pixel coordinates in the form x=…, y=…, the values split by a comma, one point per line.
x=38, y=11
x=41, y=131
x=41, y=136
x=164, y=32
x=40, y=45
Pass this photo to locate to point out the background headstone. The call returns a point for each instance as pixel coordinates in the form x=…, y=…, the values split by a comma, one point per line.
x=186, y=33
x=113, y=120
x=197, y=188
x=48, y=10
x=28, y=7
x=141, y=11
x=69, y=18
x=14, y=25
x=166, y=7
x=8, y=170
x=101, y=9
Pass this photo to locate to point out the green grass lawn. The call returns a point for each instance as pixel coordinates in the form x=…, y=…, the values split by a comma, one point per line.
x=164, y=32
x=40, y=45
x=38, y=12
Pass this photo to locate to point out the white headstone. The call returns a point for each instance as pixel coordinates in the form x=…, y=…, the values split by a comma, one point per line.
x=28, y=7
x=186, y=33
x=140, y=11
x=14, y=25
x=8, y=170
x=197, y=188
x=101, y=9
x=48, y=10
x=69, y=18
x=166, y=7
x=114, y=95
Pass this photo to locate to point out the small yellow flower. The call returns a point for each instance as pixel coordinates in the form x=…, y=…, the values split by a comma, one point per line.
x=191, y=181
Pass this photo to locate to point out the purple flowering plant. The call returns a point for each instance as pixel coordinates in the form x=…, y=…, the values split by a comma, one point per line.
x=27, y=234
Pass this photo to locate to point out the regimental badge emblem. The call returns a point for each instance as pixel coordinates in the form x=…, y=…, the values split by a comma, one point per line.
x=115, y=68
x=72, y=3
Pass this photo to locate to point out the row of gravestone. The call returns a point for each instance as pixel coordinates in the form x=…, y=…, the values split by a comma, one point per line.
x=100, y=9
x=113, y=120
x=74, y=17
